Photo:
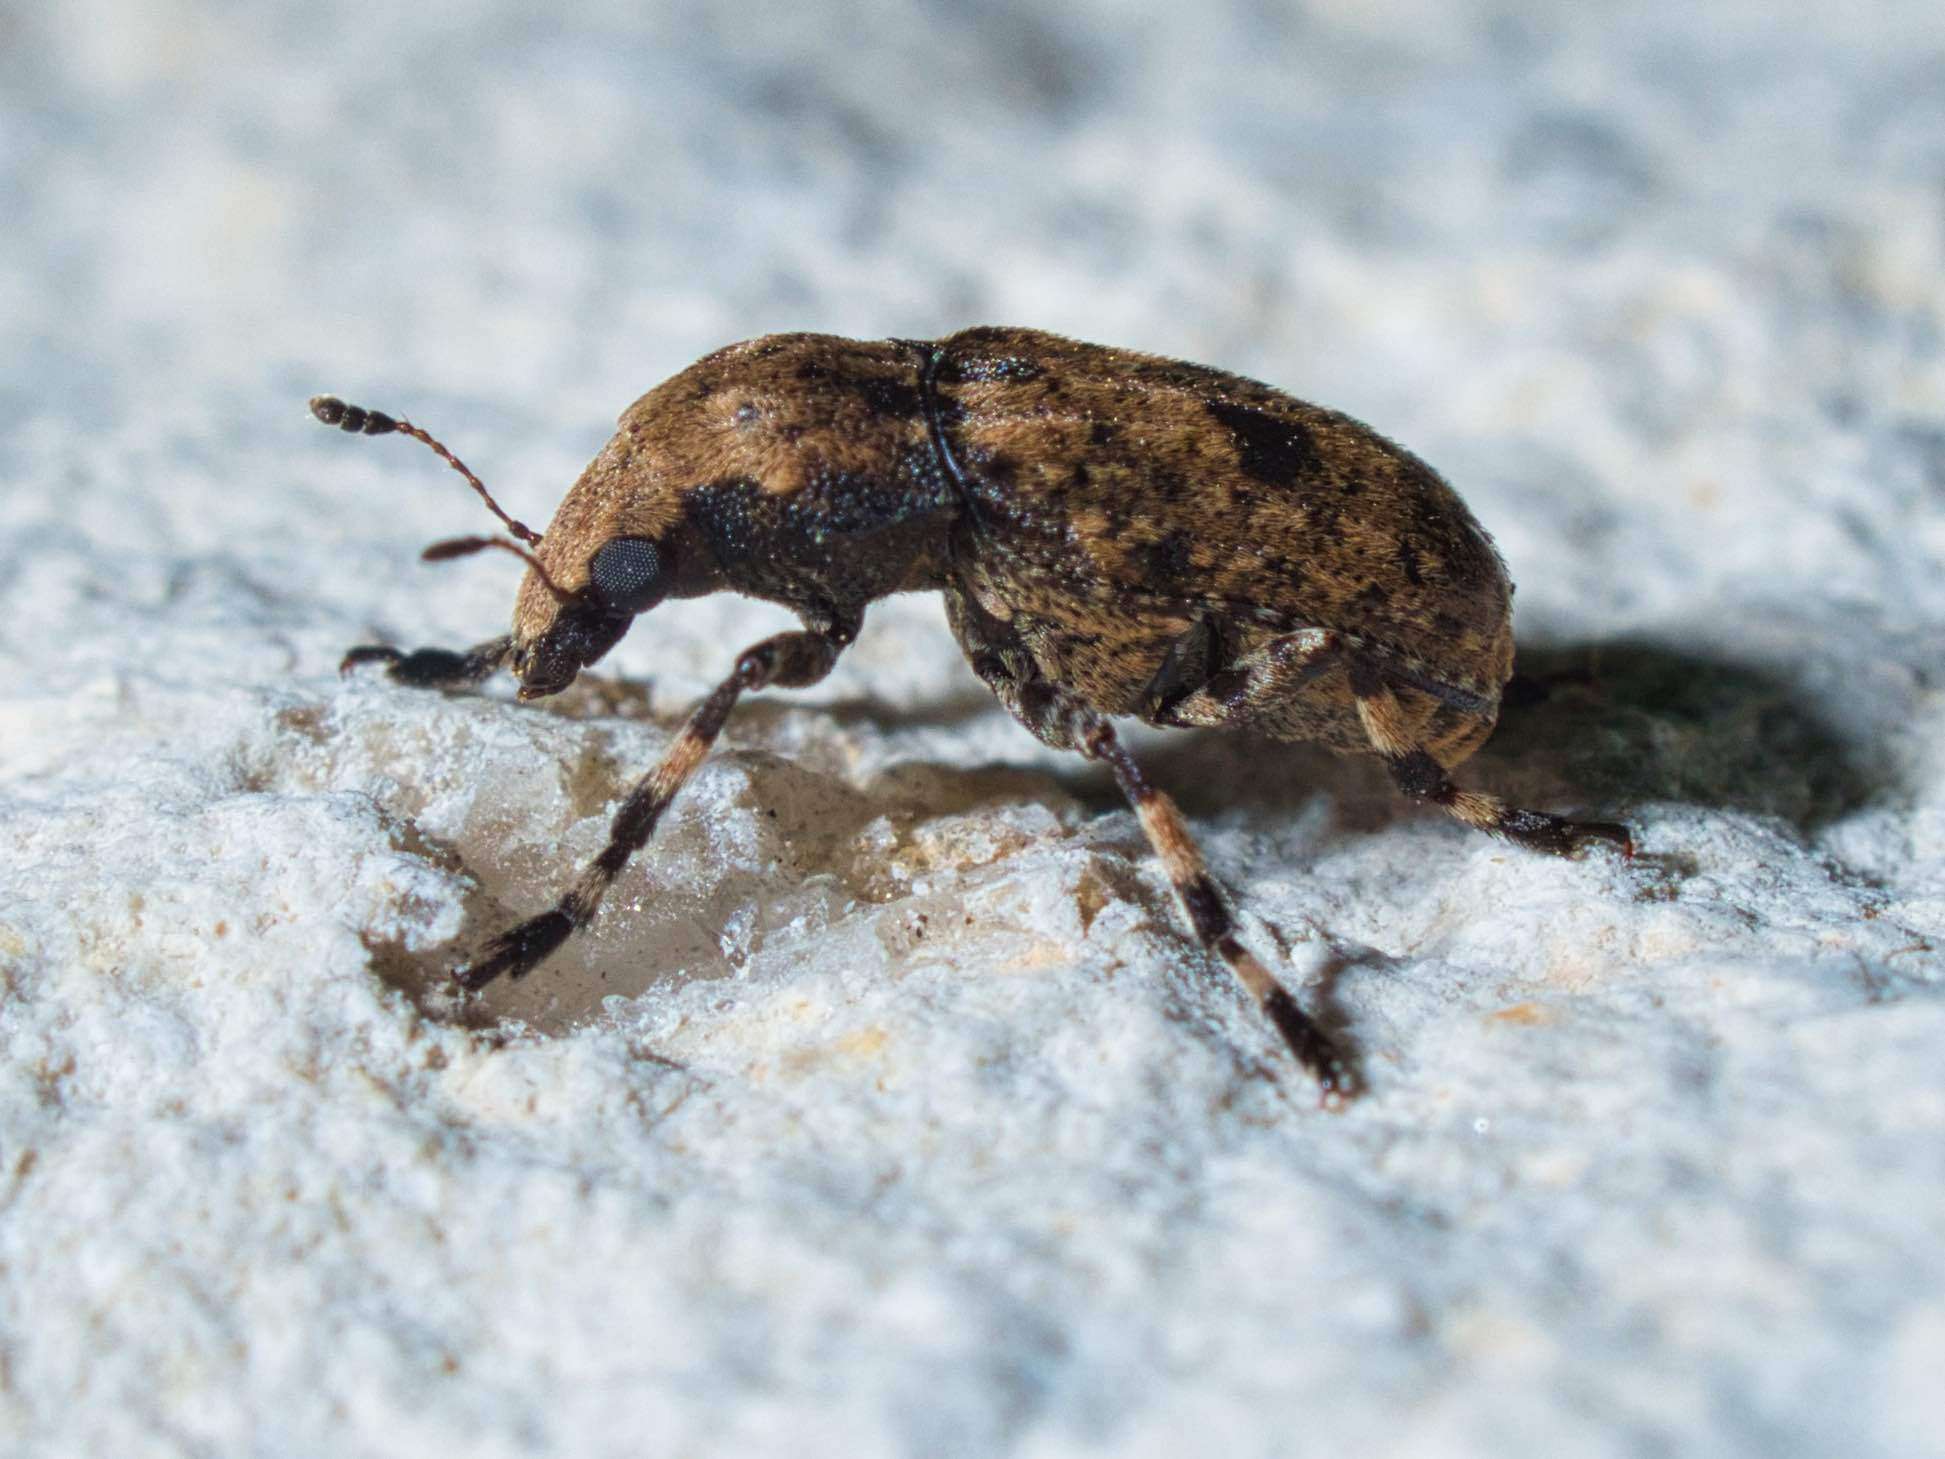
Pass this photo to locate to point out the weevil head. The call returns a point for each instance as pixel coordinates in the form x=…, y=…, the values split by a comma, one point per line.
x=559, y=637
x=699, y=490
x=614, y=549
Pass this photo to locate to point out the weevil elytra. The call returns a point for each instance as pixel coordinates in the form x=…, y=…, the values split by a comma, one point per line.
x=1114, y=534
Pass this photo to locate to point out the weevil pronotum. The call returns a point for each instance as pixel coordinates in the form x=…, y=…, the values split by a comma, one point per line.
x=1114, y=534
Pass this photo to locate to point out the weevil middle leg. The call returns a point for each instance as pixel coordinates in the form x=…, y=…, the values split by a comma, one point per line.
x=1202, y=902
x=1057, y=717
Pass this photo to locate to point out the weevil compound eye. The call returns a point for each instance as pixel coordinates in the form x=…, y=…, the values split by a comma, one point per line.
x=627, y=574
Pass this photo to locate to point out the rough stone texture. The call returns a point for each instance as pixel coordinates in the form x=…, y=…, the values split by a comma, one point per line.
x=889, y=1110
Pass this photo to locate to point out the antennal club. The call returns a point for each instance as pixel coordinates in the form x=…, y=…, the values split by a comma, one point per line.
x=453, y=547
x=357, y=421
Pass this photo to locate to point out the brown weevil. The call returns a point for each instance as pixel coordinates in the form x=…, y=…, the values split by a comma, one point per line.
x=1114, y=534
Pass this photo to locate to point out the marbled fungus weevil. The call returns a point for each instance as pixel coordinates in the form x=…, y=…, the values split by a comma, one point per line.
x=1114, y=533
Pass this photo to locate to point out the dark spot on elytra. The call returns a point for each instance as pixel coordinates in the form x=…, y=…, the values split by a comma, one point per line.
x=1408, y=560
x=1324, y=519
x=1286, y=569
x=1168, y=486
x=1101, y=433
x=996, y=467
x=1274, y=451
x=1166, y=564
x=891, y=398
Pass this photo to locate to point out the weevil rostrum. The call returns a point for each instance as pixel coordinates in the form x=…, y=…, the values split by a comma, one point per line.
x=1114, y=533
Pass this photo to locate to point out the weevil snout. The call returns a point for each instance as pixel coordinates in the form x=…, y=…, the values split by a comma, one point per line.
x=578, y=636
x=521, y=662
x=557, y=634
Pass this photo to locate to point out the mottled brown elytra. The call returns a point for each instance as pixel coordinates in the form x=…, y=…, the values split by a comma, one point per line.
x=1114, y=534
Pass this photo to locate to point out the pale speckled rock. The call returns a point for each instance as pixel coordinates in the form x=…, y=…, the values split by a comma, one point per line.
x=888, y=1109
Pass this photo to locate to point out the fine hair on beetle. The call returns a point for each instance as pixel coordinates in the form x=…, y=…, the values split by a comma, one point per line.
x=1113, y=534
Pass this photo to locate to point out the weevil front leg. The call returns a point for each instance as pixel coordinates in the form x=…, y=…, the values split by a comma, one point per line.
x=433, y=668
x=787, y=661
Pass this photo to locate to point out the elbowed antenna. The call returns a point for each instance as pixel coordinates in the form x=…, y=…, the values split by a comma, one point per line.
x=464, y=546
x=358, y=421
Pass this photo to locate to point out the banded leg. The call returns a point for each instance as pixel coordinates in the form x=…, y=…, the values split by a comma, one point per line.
x=432, y=668
x=1421, y=777
x=1196, y=891
x=1057, y=718
x=787, y=661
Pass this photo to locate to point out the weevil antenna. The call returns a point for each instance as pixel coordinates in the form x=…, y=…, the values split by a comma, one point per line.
x=465, y=546
x=358, y=421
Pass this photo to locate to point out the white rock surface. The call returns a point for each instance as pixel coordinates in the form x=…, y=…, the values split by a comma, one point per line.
x=889, y=1109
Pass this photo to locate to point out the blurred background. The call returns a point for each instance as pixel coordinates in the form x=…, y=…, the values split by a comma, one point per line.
x=1665, y=275
x=1651, y=1161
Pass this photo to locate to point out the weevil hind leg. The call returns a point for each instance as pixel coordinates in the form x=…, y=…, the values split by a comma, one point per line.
x=1419, y=775
x=433, y=668
x=786, y=661
x=1208, y=914
x=1058, y=718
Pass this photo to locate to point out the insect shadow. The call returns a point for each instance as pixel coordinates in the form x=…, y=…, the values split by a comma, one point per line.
x=1605, y=726
x=1667, y=724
